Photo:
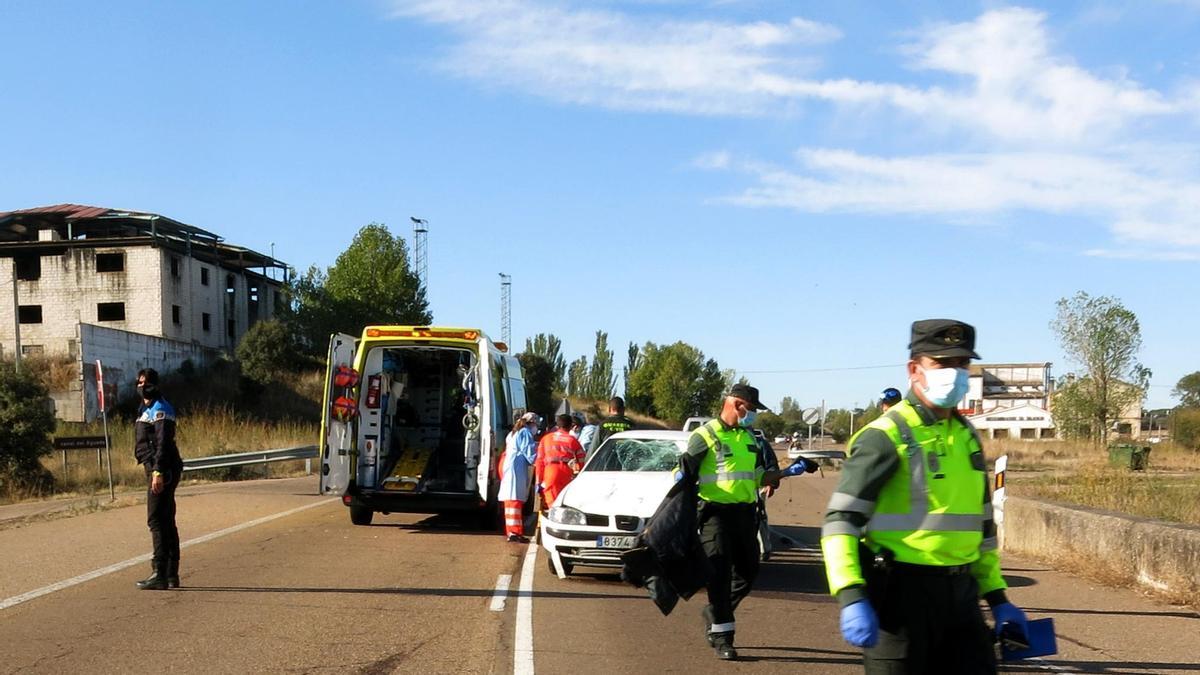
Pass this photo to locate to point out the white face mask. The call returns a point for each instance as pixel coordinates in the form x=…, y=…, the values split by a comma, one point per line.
x=945, y=387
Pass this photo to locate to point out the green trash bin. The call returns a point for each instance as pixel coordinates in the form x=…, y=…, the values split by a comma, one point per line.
x=1135, y=457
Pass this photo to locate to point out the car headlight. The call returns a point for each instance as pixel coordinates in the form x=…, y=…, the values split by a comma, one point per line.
x=567, y=516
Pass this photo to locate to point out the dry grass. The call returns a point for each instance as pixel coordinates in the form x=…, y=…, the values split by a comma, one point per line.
x=202, y=433
x=600, y=409
x=1080, y=473
x=57, y=372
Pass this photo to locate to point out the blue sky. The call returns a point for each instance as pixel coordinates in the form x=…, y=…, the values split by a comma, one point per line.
x=786, y=185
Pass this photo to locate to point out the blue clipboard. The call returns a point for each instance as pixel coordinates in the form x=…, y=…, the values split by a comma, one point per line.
x=1040, y=633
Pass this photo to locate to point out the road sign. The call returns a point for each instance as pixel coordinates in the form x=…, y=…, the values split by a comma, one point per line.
x=811, y=416
x=79, y=442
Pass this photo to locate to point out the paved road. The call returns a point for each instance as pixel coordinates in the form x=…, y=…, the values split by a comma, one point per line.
x=283, y=582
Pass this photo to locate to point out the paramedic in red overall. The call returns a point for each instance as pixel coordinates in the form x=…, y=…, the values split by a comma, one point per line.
x=559, y=458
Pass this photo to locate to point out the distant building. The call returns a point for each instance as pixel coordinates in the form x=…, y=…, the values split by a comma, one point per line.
x=155, y=290
x=1011, y=400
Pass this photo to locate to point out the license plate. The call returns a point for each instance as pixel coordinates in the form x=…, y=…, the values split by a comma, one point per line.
x=613, y=541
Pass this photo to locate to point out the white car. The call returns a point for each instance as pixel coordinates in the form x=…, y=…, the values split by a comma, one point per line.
x=781, y=439
x=693, y=423
x=600, y=513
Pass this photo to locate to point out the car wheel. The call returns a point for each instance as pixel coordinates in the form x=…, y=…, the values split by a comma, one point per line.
x=361, y=515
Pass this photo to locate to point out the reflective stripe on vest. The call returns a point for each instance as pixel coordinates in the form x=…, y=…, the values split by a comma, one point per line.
x=729, y=471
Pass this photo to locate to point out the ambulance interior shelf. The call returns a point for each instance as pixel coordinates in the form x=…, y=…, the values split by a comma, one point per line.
x=413, y=433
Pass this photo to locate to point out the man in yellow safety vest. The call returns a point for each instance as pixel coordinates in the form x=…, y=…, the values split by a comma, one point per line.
x=908, y=539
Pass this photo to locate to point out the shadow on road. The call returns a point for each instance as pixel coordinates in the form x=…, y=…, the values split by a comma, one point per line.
x=801, y=655
x=1051, y=611
x=436, y=592
x=1111, y=667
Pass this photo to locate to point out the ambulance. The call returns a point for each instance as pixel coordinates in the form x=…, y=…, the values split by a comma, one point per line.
x=414, y=420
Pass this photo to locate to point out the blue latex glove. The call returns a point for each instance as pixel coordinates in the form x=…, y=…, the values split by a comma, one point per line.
x=860, y=626
x=800, y=466
x=1008, y=613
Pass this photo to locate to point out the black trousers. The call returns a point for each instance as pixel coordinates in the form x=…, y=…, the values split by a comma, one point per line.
x=930, y=624
x=160, y=518
x=729, y=534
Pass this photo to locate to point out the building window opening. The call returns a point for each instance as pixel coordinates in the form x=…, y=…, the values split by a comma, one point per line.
x=176, y=317
x=110, y=311
x=231, y=328
x=110, y=262
x=29, y=314
x=32, y=350
x=29, y=268
x=206, y=321
x=1048, y=434
x=203, y=276
x=1028, y=434
x=999, y=433
x=175, y=266
x=230, y=284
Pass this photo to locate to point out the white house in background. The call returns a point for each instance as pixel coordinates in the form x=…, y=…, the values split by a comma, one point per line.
x=1024, y=421
x=1010, y=400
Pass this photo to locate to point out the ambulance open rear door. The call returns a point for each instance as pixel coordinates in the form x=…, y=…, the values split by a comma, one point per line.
x=337, y=430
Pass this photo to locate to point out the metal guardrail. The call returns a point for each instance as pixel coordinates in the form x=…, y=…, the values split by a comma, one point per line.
x=249, y=458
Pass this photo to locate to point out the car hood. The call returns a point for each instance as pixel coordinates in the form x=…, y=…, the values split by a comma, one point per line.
x=627, y=493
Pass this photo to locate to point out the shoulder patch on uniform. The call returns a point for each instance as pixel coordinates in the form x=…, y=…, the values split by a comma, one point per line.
x=160, y=415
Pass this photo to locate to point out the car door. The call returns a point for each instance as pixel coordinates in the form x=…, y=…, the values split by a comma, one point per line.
x=336, y=436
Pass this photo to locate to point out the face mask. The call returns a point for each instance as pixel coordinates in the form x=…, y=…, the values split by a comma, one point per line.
x=748, y=419
x=148, y=391
x=945, y=387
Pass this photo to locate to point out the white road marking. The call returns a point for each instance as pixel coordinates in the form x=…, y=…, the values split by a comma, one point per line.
x=523, y=641
x=501, y=594
x=74, y=581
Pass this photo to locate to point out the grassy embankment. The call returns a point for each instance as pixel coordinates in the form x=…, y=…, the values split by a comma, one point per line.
x=1079, y=473
x=218, y=415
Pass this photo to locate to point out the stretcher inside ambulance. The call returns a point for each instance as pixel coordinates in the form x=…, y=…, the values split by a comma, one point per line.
x=415, y=419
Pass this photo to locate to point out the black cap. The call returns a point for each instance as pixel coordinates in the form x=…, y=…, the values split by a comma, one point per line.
x=942, y=338
x=748, y=394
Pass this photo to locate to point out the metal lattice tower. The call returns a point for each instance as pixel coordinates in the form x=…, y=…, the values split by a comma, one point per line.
x=420, y=258
x=506, y=309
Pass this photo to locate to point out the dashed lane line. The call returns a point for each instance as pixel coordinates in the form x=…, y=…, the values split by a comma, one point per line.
x=500, y=596
x=523, y=640
x=94, y=574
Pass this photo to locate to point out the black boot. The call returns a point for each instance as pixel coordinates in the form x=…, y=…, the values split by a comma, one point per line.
x=706, y=614
x=173, y=572
x=156, y=581
x=723, y=644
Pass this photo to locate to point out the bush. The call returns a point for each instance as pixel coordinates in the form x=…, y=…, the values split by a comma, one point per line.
x=266, y=351
x=1185, y=427
x=26, y=422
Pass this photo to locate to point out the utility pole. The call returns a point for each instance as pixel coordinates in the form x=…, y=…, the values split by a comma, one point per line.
x=506, y=309
x=420, y=261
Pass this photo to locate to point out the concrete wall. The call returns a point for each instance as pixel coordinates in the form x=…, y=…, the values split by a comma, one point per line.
x=123, y=355
x=1159, y=556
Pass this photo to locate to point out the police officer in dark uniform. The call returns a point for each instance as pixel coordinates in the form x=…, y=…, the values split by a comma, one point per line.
x=155, y=450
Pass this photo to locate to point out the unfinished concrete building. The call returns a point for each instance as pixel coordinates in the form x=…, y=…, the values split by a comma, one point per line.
x=132, y=281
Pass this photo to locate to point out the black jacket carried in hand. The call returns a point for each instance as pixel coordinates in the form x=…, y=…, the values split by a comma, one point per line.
x=154, y=438
x=668, y=559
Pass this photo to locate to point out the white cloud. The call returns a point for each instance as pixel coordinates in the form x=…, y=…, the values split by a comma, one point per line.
x=614, y=60
x=713, y=160
x=1150, y=214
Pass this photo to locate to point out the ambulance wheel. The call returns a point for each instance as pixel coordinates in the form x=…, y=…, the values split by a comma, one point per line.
x=361, y=515
x=567, y=567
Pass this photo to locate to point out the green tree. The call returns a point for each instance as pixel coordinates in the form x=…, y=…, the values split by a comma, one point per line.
x=601, y=380
x=1185, y=427
x=1104, y=337
x=1187, y=390
x=369, y=283
x=539, y=383
x=770, y=423
x=577, y=377
x=266, y=351
x=549, y=347
x=675, y=381
x=26, y=422
x=633, y=361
